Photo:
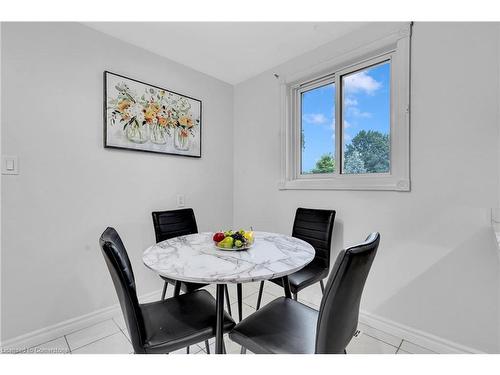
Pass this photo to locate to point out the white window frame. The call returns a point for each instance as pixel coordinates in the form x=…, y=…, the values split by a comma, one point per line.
x=395, y=48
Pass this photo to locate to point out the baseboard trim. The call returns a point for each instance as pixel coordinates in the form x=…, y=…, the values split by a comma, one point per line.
x=55, y=331
x=421, y=338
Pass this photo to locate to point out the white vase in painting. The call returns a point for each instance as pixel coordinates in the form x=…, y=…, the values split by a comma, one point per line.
x=158, y=134
x=137, y=133
x=182, y=141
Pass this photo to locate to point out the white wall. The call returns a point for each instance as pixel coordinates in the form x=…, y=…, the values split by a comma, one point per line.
x=437, y=267
x=70, y=187
x=0, y=186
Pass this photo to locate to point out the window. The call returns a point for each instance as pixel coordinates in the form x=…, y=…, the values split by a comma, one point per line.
x=348, y=128
x=366, y=124
x=318, y=129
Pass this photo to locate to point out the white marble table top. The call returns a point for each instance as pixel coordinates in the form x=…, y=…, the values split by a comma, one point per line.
x=194, y=258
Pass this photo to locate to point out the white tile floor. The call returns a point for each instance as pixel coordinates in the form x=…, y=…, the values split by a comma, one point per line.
x=111, y=336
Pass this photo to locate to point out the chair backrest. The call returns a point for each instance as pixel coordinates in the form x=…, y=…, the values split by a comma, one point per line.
x=174, y=223
x=315, y=227
x=339, y=310
x=123, y=278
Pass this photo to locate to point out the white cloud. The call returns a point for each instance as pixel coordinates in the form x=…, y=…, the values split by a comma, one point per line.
x=315, y=118
x=361, y=82
x=350, y=102
x=355, y=112
x=352, y=109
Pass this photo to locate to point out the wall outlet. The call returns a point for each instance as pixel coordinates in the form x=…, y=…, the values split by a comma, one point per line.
x=10, y=164
x=181, y=200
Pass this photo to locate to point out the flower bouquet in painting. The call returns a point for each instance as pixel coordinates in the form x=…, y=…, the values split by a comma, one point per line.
x=144, y=117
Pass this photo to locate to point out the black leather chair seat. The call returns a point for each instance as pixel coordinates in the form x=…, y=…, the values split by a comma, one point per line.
x=307, y=276
x=185, y=287
x=283, y=326
x=175, y=323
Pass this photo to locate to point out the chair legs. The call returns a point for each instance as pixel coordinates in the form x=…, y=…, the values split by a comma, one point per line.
x=239, y=292
x=295, y=295
x=243, y=350
x=286, y=287
x=187, y=349
x=240, y=298
x=228, y=302
x=259, y=299
x=177, y=289
x=207, y=347
x=177, y=292
x=164, y=291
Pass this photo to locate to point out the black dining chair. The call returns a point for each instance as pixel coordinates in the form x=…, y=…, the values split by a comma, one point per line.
x=163, y=326
x=286, y=326
x=315, y=227
x=175, y=223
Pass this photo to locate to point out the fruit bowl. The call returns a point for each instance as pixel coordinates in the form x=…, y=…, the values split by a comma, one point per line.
x=245, y=247
x=233, y=240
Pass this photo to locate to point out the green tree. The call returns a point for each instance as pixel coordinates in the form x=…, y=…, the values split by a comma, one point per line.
x=373, y=148
x=325, y=164
x=354, y=164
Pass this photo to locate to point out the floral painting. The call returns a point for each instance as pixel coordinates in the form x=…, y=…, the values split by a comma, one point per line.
x=144, y=117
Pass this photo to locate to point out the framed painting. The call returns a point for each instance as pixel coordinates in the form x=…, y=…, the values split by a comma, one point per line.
x=143, y=117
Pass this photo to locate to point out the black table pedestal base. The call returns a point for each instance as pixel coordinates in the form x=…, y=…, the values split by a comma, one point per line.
x=219, y=328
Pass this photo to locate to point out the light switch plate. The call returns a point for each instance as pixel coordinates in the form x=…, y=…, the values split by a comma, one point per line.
x=181, y=201
x=10, y=164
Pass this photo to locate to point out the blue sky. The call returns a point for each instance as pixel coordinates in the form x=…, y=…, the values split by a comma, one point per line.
x=366, y=96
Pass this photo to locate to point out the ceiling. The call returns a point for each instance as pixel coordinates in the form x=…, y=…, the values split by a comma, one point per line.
x=229, y=51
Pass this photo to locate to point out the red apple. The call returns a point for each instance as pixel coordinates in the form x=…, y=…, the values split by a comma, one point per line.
x=219, y=236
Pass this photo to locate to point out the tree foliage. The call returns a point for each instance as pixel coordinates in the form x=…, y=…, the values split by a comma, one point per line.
x=354, y=163
x=368, y=152
x=372, y=148
x=325, y=164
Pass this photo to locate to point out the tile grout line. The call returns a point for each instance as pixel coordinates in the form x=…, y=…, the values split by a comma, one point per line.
x=81, y=329
x=67, y=343
x=236, y=297
x=262, y=302
x=46, y=342
x=70, y=333
x=401, y=343
x=122, y=331
x=93, y=342
x=420, y=346
x=397, y=350
x=385, y=342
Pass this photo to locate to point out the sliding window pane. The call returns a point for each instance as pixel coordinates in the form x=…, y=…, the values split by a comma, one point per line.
x=318, y=130
x=366, y=120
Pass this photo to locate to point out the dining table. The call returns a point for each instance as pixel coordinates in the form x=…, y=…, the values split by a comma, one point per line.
x=195, y=258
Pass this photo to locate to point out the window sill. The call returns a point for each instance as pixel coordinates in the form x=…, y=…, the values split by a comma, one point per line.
x=361, y=182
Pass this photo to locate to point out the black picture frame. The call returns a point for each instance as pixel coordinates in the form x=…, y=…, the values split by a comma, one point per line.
x=106, y=127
